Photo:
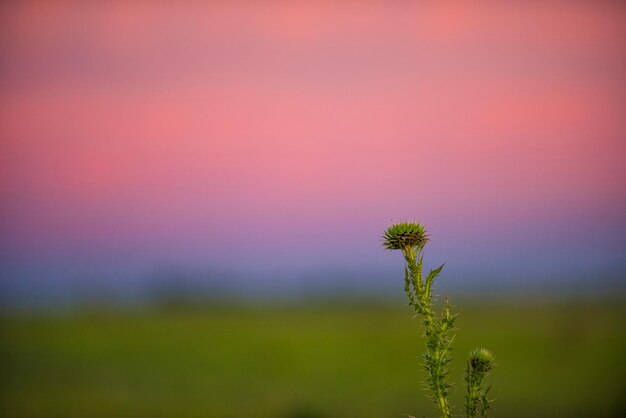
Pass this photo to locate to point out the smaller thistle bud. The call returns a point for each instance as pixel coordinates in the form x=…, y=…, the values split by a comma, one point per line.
x=482, y=360
x=403, y=235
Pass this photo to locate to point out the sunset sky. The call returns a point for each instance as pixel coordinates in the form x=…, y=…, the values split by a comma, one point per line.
x=275, y=140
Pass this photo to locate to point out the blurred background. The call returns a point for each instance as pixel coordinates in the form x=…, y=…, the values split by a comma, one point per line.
x=192, y=196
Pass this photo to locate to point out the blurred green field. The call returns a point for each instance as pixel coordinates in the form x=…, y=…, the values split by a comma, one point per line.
x=324, y=360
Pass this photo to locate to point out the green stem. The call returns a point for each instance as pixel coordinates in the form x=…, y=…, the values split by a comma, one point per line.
x=471, y=398
x=444, y=408
x=436, y=342
x=436, y=373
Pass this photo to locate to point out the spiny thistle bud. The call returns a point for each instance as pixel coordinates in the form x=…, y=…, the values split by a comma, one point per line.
x=404, y=235
x=482, y=360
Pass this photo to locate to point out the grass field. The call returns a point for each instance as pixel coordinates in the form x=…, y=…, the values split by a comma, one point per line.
x=555, y=360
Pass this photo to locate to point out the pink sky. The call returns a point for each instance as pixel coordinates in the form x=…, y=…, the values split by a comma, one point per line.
x=294, y=132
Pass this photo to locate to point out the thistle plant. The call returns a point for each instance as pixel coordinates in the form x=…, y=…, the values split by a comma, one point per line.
x=411, y=238
x=480, y=363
